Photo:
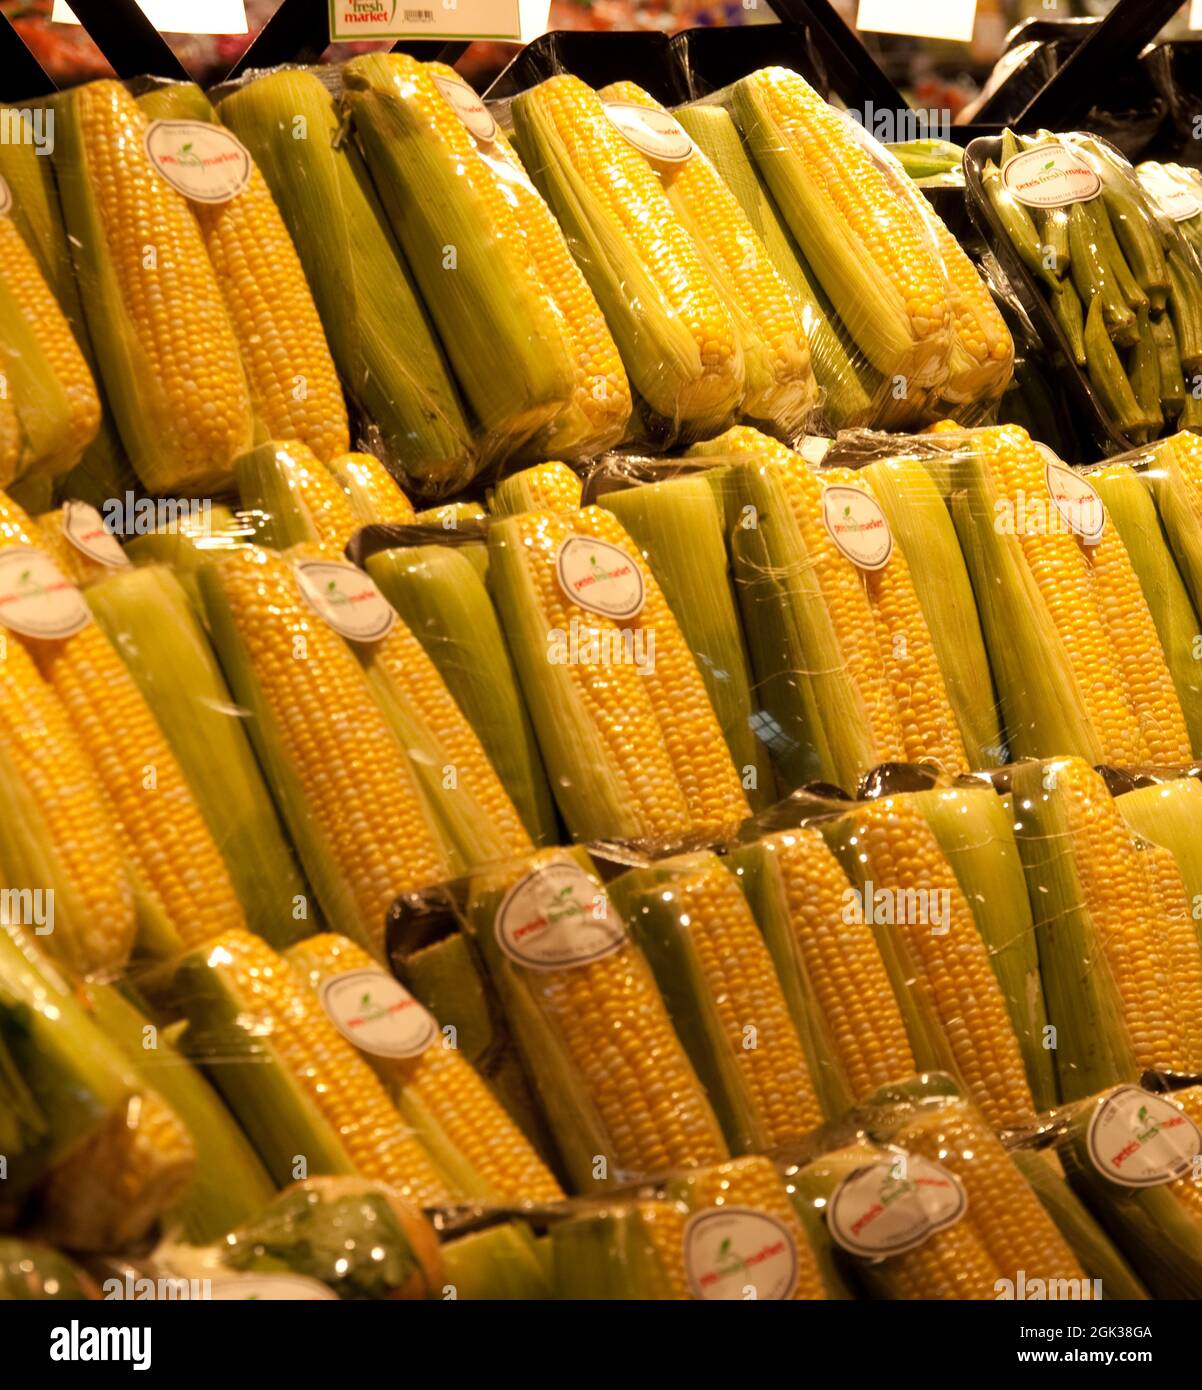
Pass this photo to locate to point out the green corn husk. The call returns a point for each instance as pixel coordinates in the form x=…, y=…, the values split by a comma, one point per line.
x=1179, y=506
x=678, y=526
x=446, y=978
x=605, y=1253
x=374, y=494
x=552, y=486
x=848, y=385
x=1093, y=1045
x=185, y=544
x=452, y=515
x=501, y=1263
x=441, y=597
x=270, y=482
x=1099, y=1256
x=41, y=405
x=1169, y=814
x=871, y=308
x=1157, y=1227
x=1133, y=512
x=1043, y=711
x=924, y=529
x=230, y=1183
x=502, y=331
x=659, y=348
x=923, y=158
x=533, y=1007
x=151, y=622
x=30, y=1269
x=976, y=835
x=681, y=912
x=388, y=359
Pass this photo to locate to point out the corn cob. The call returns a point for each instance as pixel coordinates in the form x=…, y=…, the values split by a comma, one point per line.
x=77, y=540
x=150, y=621
x=442, y=1097
x=618, y=1090
x=1092, y=626
x=520, y=326
x=1166, y=814
x=59, y=835
x=940, y=964
x=716, y=975
x=673, y=329
x=1118, y=952
x=874, y=256
x=1175, y=479
x=311, y=1094
x=374, y=494
x=41, y=312
x=391, y=367
x=547, y=487
x=1158, y=1226
x=660, y=771
x=982, y=356
x=451, y=515
x=358, y=820
x=294, y=388
x=678, y=526
x=293, y=498
x=1130, y=506
x=923, y=527
x=781, y=391
x=848, y=385
x=849, y=982
x=36, y=417
x=443, y=600
x=172, y=371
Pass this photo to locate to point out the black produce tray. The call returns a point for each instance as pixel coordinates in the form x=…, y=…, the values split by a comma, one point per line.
x=599, y=58
x=1175, y=71
x=709, y=59
x=1090, y=416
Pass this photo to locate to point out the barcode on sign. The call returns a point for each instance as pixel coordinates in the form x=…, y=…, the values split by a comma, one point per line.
x=419, y=16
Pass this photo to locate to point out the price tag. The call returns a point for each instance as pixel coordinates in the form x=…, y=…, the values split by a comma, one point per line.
x=928, y=19
x=513, y=20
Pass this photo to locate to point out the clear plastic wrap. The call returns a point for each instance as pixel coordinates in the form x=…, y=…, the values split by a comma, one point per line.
x=539, y=371
x=1105, y=275
x=391, y=365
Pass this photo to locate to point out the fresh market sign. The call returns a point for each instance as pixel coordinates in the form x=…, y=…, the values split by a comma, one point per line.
x=515, y=20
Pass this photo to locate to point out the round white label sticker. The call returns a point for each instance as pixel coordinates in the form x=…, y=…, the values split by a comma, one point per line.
x=345, y=598
x=857, y=526
x=377, y=1013
x=1140, y=1140
x=35, y=599
x=242, y=1288
x=737, y=1253
x=84, y=527
x=1077, y=501
x=1051, y=176
x=657, y=134
x=601, y=577
x=893, y=1205
x=469, y=108
x=204, y=162
x=556, y=917
x=6, y=197
x=1177, y=200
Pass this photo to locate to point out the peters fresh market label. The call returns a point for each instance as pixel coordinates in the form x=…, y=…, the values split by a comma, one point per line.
x=241, y=1288
x=377, y=1014
x=1140, y=1140
x=657, y=134
x=1178, y=202
x=857, y=526
x=204, y=162
x=346, y=599
x=600, y=577
x=893, y=1205
x=35, y=599
x=468, y=107
x=549, y=919
x=1077, y=501
x=737, y=1253
x=84, y=527
x=1051, y=176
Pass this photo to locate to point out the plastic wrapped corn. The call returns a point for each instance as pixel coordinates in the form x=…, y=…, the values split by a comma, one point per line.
x=535, y=361
x=392, y=367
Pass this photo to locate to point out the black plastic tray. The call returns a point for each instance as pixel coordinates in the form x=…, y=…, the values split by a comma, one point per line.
x=709, y=59
x=1089, y=414
x=597, y=58
x=1175, y=71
